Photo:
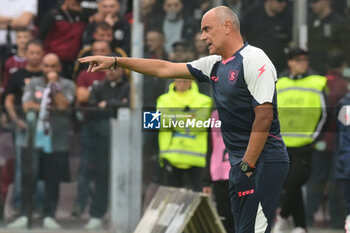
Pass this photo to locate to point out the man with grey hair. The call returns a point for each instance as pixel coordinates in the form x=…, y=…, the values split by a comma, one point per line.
x=243, y=81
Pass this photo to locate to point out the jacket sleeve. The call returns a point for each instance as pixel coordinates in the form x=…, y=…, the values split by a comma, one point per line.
x=46, y=24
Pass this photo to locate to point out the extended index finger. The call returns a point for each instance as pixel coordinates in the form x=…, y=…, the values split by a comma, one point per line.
x=86, y=59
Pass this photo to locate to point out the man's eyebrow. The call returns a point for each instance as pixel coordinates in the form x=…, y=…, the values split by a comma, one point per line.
x=204, y=28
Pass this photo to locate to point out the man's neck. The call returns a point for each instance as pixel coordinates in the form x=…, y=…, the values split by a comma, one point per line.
x=31, y=68
x=232, y=48
x=21, y=52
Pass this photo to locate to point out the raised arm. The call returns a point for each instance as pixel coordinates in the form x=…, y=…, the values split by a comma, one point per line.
x=152, y=67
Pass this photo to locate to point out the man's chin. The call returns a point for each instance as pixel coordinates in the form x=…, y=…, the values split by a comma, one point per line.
x=212, y=52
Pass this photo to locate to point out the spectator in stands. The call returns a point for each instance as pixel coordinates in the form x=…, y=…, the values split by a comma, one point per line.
x=155, y=45
x=107, y=96
x=85, y=83
x=61, y=31
x=182, y=152
x=216, y=177
x=148, y=11
x=86, y=80
x=14, y=15
x=174, y=24
x=13, y=102
x=50, y=97
x=18, y=60
x=322, y=182
x=328, y=32
x=268, y=25
x=181, y=52
x=108, y=11
x=102, y=32
x=200, y=48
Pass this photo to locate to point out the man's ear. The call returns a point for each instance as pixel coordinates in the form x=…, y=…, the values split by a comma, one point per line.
x=228, y=26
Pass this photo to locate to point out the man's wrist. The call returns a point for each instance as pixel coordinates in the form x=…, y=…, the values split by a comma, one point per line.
x=246, y=167
x=115, y=64
x=250, y=164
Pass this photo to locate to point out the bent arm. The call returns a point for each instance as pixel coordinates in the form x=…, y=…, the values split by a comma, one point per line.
x=23, y=20
x=259, y=134
x=11, y=109
x=10, y=106
x=17, y=22
x=152, y=67
x=5, y=20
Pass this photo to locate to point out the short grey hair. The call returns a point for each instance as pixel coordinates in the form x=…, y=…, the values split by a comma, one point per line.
x=225, y=13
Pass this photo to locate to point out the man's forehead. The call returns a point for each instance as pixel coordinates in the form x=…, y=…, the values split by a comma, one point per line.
x=209, y=17
x=109, y=2
x=23, y=33
x=50, y=61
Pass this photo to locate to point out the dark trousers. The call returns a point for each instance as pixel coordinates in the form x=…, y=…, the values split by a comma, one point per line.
x=101, y=180
x=321, y=187
x=222, y=199
x=49, y=167
x=254, y=199
x=94, y=167
x=183, y=178
x=292, y=202
x=345, y=186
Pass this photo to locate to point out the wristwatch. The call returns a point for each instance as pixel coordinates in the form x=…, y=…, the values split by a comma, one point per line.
x=245, y=167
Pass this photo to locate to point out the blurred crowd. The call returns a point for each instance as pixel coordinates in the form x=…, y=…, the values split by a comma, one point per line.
x=48, y=98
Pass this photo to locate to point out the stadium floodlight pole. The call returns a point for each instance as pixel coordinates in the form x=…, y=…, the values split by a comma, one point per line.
x=136, y=126
x=137, y=51
x=300, y=23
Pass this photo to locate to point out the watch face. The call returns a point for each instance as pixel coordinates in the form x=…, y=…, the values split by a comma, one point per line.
x=244, y=167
